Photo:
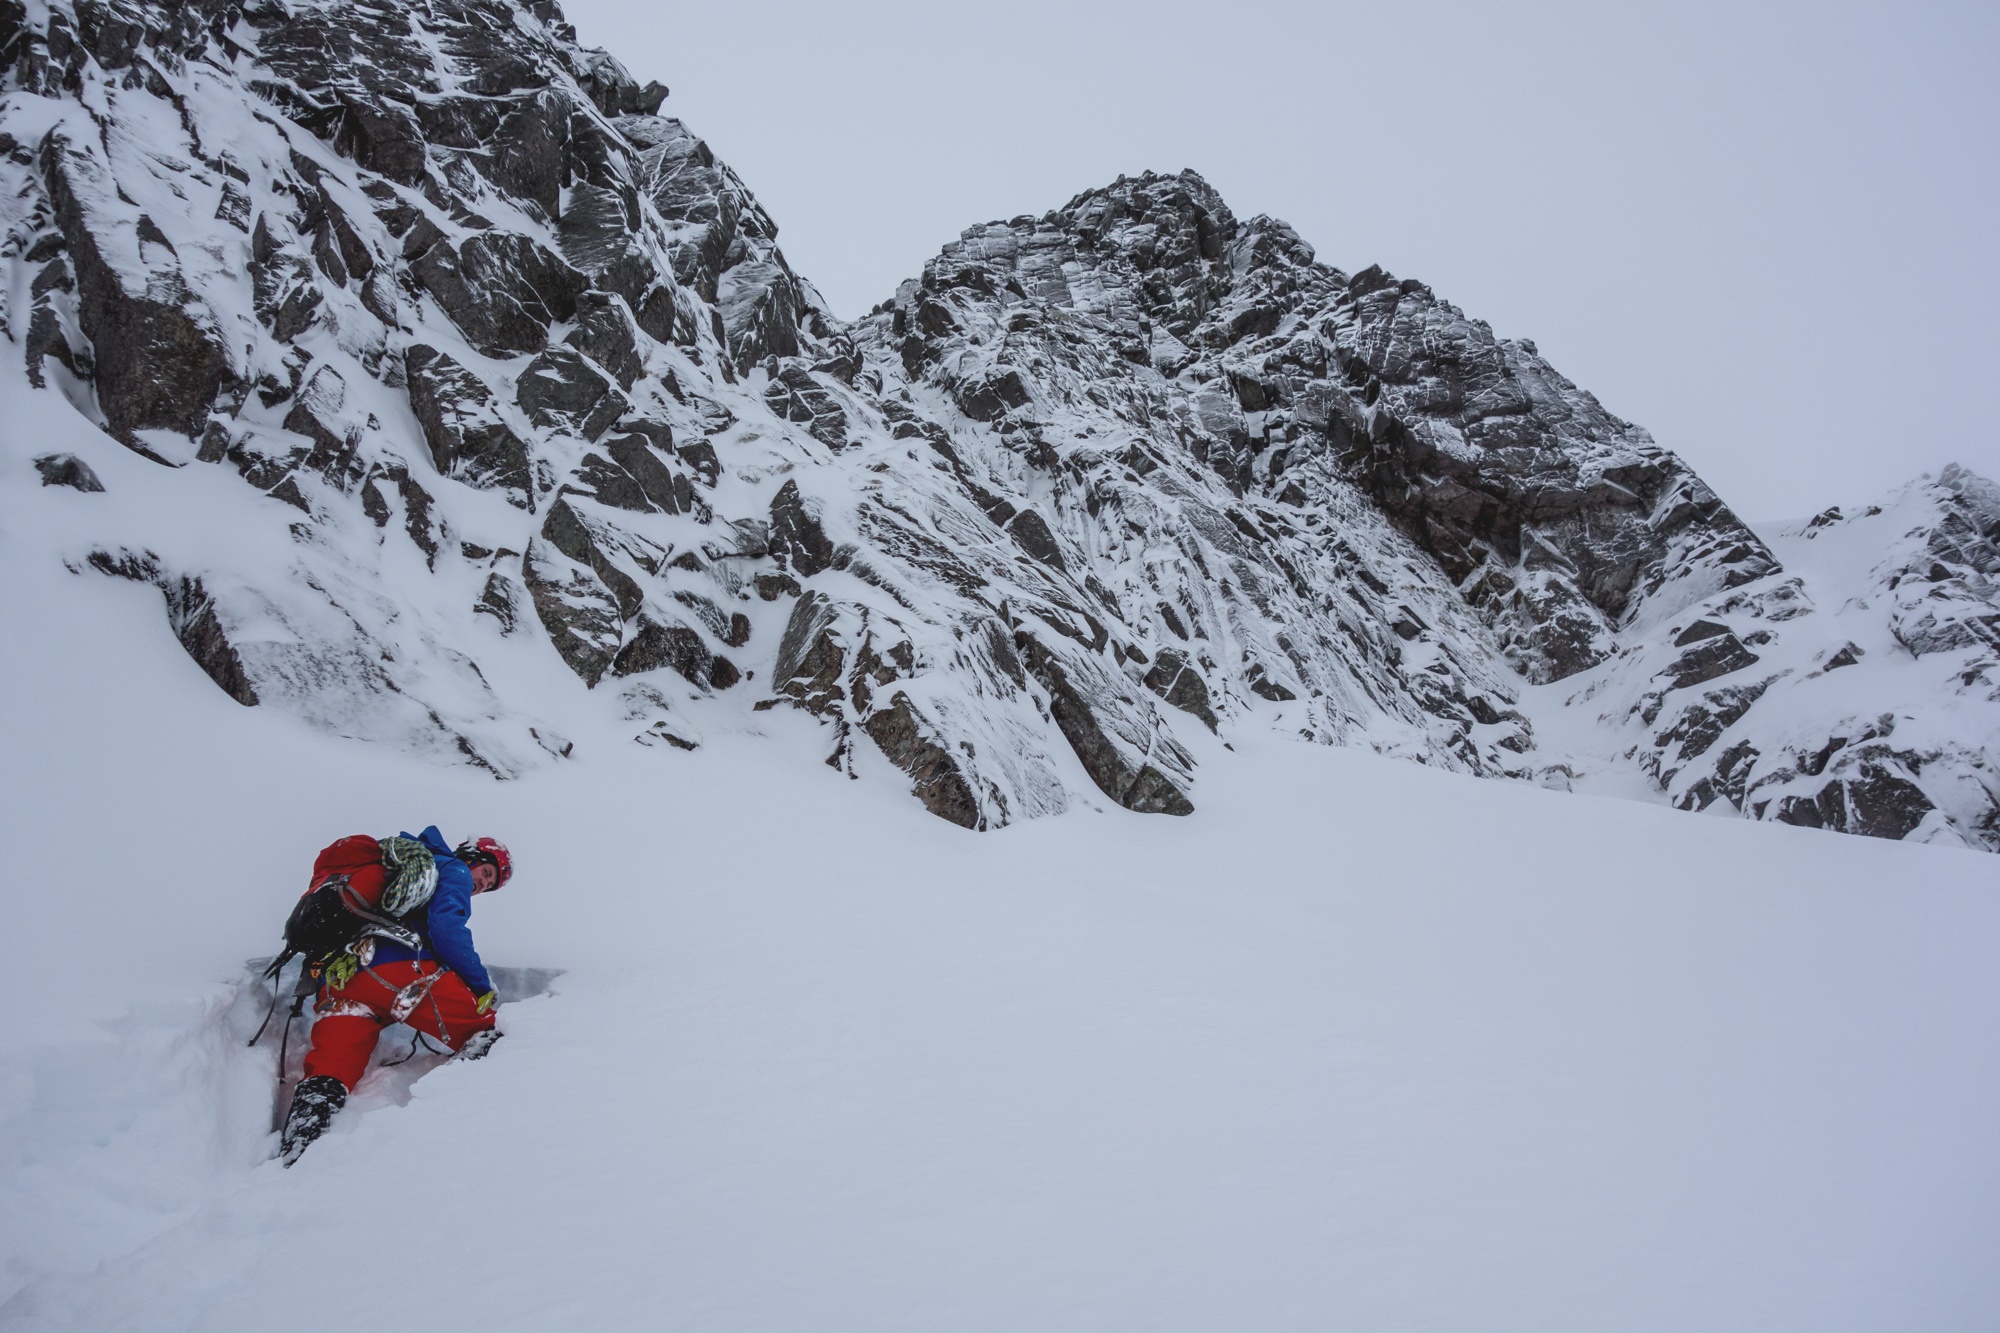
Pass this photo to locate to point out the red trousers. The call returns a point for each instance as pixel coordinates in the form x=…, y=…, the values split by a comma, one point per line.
x=351, y=1018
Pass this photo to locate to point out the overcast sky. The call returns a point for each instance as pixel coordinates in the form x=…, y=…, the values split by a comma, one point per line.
x=1766, y=233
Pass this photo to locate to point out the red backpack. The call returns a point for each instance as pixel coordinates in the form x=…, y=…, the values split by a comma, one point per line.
x=360, y=885
x=359, y=858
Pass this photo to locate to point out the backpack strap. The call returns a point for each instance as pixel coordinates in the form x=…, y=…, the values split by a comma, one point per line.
x=353, y=902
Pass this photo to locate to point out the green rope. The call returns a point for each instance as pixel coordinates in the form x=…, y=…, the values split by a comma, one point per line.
x=412, y=875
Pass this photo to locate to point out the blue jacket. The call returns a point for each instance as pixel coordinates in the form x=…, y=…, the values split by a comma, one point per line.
x=450, y=923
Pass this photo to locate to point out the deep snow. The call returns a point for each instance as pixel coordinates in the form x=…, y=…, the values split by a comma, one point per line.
x=1358, y=1045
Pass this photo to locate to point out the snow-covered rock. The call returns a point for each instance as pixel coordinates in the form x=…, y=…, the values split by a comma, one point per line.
x=508, y=363
x=1856, y=690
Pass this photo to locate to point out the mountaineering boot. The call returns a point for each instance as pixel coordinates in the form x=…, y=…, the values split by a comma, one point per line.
x=478, y=1044
x=313, y=1107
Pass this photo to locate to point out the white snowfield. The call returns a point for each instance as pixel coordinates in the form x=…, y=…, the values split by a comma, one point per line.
x=477, y=433
x=1359, y=1045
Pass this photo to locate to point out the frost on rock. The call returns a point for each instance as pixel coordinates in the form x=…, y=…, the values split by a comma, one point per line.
x=1861, y=693
x=500, y=361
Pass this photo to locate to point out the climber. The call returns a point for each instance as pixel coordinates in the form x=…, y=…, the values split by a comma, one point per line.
x=429, y=977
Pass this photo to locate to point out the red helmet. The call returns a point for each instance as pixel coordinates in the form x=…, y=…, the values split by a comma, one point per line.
x=490, y=851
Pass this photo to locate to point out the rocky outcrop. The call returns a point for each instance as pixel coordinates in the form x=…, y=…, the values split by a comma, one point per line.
x=1555, y=519
x=191, y=611
x=1810, y=699
x=607, y=334
x=900, y=733
x=1564, y=519
x=562, y=390
x=582, y=617
x=501, y=290
x=797, y=539
x=1175, y=681
x=470, y=439
x=1123, y=761
x=156, y=348
x=854, y=666
x=653, y=645
x=796, y=396
x=494, y=335
x=67, y=470
x=1946, y=591
x=633, y=474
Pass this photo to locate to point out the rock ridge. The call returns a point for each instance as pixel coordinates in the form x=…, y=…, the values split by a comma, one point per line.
x=510, y=365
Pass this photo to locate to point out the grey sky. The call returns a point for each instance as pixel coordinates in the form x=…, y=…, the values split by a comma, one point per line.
x=1766, y=233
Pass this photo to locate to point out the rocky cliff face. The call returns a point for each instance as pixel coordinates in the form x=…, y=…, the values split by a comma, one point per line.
x=1853, y=690
x=507, y=362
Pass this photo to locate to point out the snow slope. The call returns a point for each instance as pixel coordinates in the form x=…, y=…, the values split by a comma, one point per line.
x=1355, y=1044
x=1358, y=1045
